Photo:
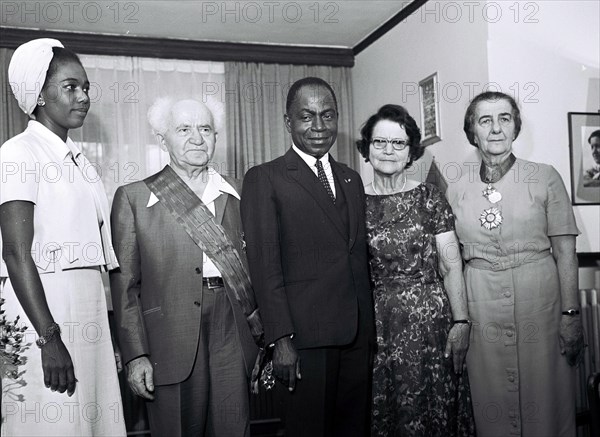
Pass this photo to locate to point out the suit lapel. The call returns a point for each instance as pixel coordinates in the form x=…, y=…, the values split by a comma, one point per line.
x=347, y=183
x=299, y=171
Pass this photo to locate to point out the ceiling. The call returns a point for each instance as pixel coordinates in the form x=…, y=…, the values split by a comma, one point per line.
x=340, y=23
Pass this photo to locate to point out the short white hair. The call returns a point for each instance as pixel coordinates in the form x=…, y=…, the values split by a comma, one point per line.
x=159, y=114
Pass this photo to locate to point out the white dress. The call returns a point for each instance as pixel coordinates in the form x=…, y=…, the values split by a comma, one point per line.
x=70, y=272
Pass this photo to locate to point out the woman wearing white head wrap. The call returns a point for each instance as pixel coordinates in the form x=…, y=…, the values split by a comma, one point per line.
x=55, y=240
x=27, y=71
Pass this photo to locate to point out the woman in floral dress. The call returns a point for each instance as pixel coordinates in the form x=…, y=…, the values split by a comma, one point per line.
x=420, y=385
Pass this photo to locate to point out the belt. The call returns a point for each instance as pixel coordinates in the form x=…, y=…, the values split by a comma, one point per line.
x=482, y=264
x=213, y=282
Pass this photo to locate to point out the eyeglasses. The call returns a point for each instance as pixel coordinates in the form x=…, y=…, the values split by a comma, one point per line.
x=397, y=143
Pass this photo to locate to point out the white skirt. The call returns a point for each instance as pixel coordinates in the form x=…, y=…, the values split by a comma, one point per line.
x=78, y=304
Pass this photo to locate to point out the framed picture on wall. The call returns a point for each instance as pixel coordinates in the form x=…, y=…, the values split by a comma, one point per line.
x=584, y=143
x=430, y=110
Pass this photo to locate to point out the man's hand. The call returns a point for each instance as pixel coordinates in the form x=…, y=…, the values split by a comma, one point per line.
x=457, y=344
x=140, y=377
x=570, y=339
x=286, y=363
x=59, y=374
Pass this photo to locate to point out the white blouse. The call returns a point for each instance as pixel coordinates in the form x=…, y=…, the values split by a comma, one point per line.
x=71, y=213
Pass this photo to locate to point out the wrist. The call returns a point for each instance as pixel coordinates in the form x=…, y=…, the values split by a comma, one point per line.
x=465, y=321
x=49, y=334
x=571, y=312
x=282, y=340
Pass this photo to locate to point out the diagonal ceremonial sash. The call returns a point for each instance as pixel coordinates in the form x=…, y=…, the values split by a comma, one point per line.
x=198, y=222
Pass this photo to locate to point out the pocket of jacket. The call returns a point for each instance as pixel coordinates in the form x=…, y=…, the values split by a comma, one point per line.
x=151, y=310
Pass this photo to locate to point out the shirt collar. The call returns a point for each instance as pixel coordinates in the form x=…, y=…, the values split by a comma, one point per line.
x=60, y=149
x=215, y=186
x=309, y=159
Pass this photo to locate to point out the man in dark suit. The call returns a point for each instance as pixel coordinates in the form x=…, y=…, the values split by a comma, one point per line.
x=181, y=328
x=304, y=225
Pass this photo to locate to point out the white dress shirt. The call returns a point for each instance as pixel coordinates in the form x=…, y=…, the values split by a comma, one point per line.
x=215, y=187
x=311, y=161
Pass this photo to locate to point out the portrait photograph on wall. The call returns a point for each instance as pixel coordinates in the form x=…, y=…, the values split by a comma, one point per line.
x=584, y=143
x=430, y=110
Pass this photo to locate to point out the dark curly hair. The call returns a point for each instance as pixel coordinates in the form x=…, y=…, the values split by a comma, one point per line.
x=489, y=96
x=400, y=115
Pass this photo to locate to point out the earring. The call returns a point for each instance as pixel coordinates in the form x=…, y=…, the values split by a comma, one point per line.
x=40, y=101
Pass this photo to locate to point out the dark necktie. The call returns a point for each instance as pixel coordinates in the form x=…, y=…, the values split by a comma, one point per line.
x=323, y=178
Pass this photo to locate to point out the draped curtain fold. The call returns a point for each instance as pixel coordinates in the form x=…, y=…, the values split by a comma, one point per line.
x=255, y=96
x=116, y=134
x=12, y=120
x=117, y=137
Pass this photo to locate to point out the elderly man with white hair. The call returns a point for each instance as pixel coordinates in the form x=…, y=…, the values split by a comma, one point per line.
x=183, y=303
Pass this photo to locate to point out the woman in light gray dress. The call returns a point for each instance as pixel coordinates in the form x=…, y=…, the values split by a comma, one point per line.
x=517, y=231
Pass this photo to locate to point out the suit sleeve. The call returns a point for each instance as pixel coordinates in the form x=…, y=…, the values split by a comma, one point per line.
x=260, y=222
x=125, y=281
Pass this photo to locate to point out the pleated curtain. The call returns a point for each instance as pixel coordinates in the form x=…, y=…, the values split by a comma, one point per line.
x=12, y=120
x=255, y=96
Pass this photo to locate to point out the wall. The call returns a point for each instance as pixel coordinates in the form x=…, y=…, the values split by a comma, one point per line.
x=553, y=59
x=546, y=53
x=389, y=71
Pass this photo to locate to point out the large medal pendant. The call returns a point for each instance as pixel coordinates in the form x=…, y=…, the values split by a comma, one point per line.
x=490, y=218
x=491, y=194
x=267, y=377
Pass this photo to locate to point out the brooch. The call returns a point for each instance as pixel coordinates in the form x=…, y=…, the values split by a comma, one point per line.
x=491, y=194
x=490, y=218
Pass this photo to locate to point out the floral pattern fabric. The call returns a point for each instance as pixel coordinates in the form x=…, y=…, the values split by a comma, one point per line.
x=415, y=389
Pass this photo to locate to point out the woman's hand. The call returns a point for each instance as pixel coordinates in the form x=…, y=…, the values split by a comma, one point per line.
x=457, y=345
x=570, y=333
x=570, y=339
x=16, y=225
x=450, y=268
x=59, y=374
